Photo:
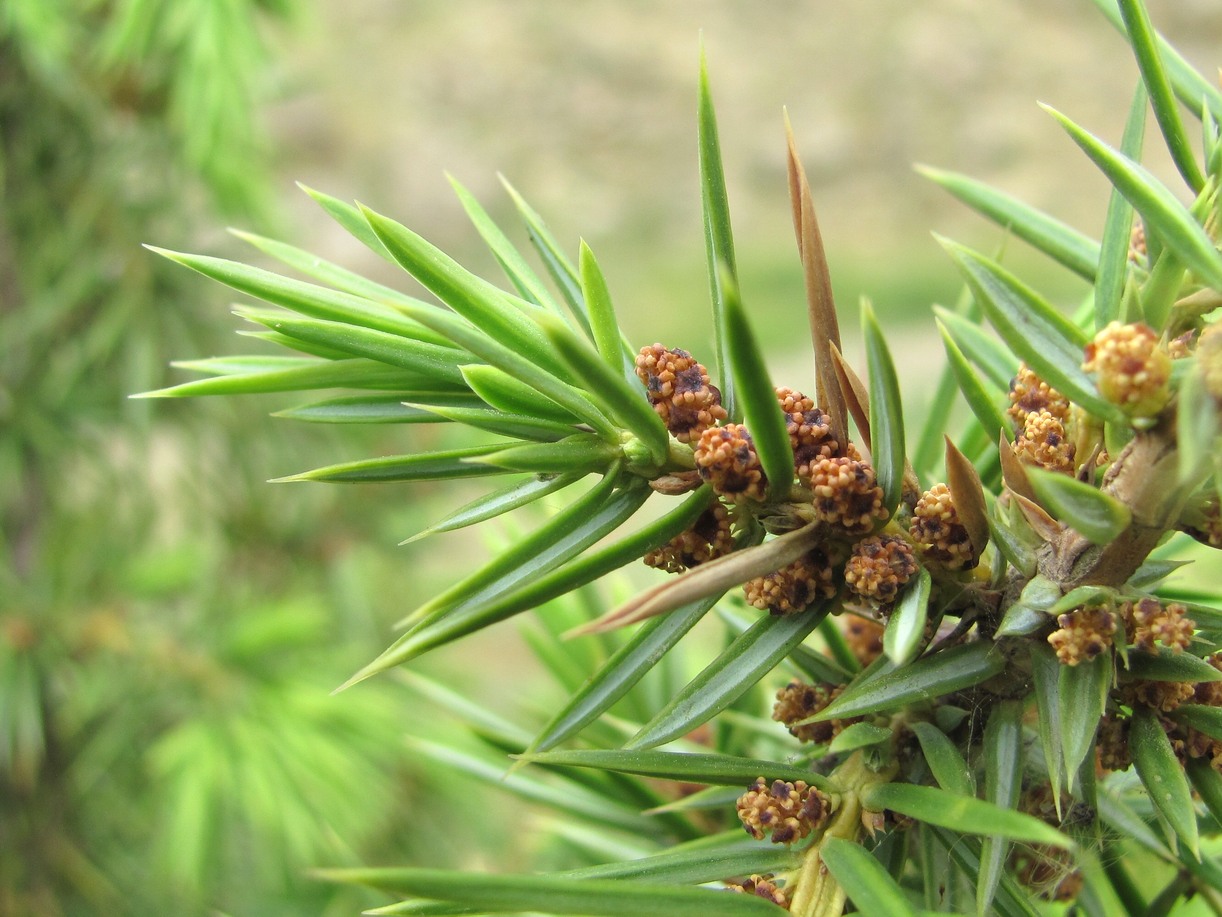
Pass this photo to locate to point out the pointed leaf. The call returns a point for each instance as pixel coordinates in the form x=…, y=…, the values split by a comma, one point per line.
x=757, y=396
x=713, y=769
x=425, y=466
x=302, y=375
x=1045, y=673
x=1154, y=571
x=300, y=346
x=964, y=852
x=581, y=452
x=519, y=272
x=1017, y=551
x=1201, y=717
x=813, y=663
x=498, y=603
x=331, y=275
x=1078, y=597
x=1118, y=225
x=1166, y=112
x=506, y=393
x=1021, y=621
x=944, y=759
x=623, y=401
x=984, y=351
x=488, y=893
x=567, y=796
x=859, y=735
x=561, y=270
x=1040, y=522
x=863, y=878
x=349, y=217
x=595, y=564
x=1045, y=340
x=711, y=797
x=515, y=426
x=244, y=364
x=924, y=680
x=430, y=360
x=1014, y=473
x=1163, y=776
x=1208, y=784
x=378, y=408
x=906, y=629
x=983, y=403
x=297, y=295
x=1168, y=665
x=1190, y=87
x=1062, y=243
x=1092, y=513
x=515, y=364
x=961, y=814
x=556, y=539
x=718, y=236
x=698, y=865
x=491, y=310
x=1082, y=692
x=856, y=398
x=1003, y=766
x=621, y=671
x=502, y=501
x=1163, y=214
x=886, y=412
x=471, y=604
x=749, y=658
x=839, y=649
x=607, y=336
x=1197, y=427
x=476, y=716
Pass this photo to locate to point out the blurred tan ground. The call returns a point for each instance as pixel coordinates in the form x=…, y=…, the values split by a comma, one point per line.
x=588, y=108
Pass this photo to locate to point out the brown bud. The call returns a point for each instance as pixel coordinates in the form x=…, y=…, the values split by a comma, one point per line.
x=1133, y=372
x=726, y=458
x=939, y=534
x=864, y=637
x=798, y=701
x=1030, y=394
x=793, y=587
x=708, y=538
x=787, y=811
x=847, y=496
x=1083, y=634
x=879, y=567
x=1163, y=696
x=1043, y=442
x=680, y=391
x=810, y=432
x=1113, y=743
x=762, y=887
x=1148, y=622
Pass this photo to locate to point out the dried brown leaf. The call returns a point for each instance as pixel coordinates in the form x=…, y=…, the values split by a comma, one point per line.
x=708, y=579
x=821, y=306
x=1043, y=524
x=1012, y=470
x=967, y=492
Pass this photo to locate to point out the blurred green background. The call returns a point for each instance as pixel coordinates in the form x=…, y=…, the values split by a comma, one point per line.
x=171, y=626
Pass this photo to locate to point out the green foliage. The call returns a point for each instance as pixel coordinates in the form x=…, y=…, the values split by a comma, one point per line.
x=166, y=739
x=1011, y=701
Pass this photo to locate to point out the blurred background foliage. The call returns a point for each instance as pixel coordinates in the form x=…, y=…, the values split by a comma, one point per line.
x=170, y=627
